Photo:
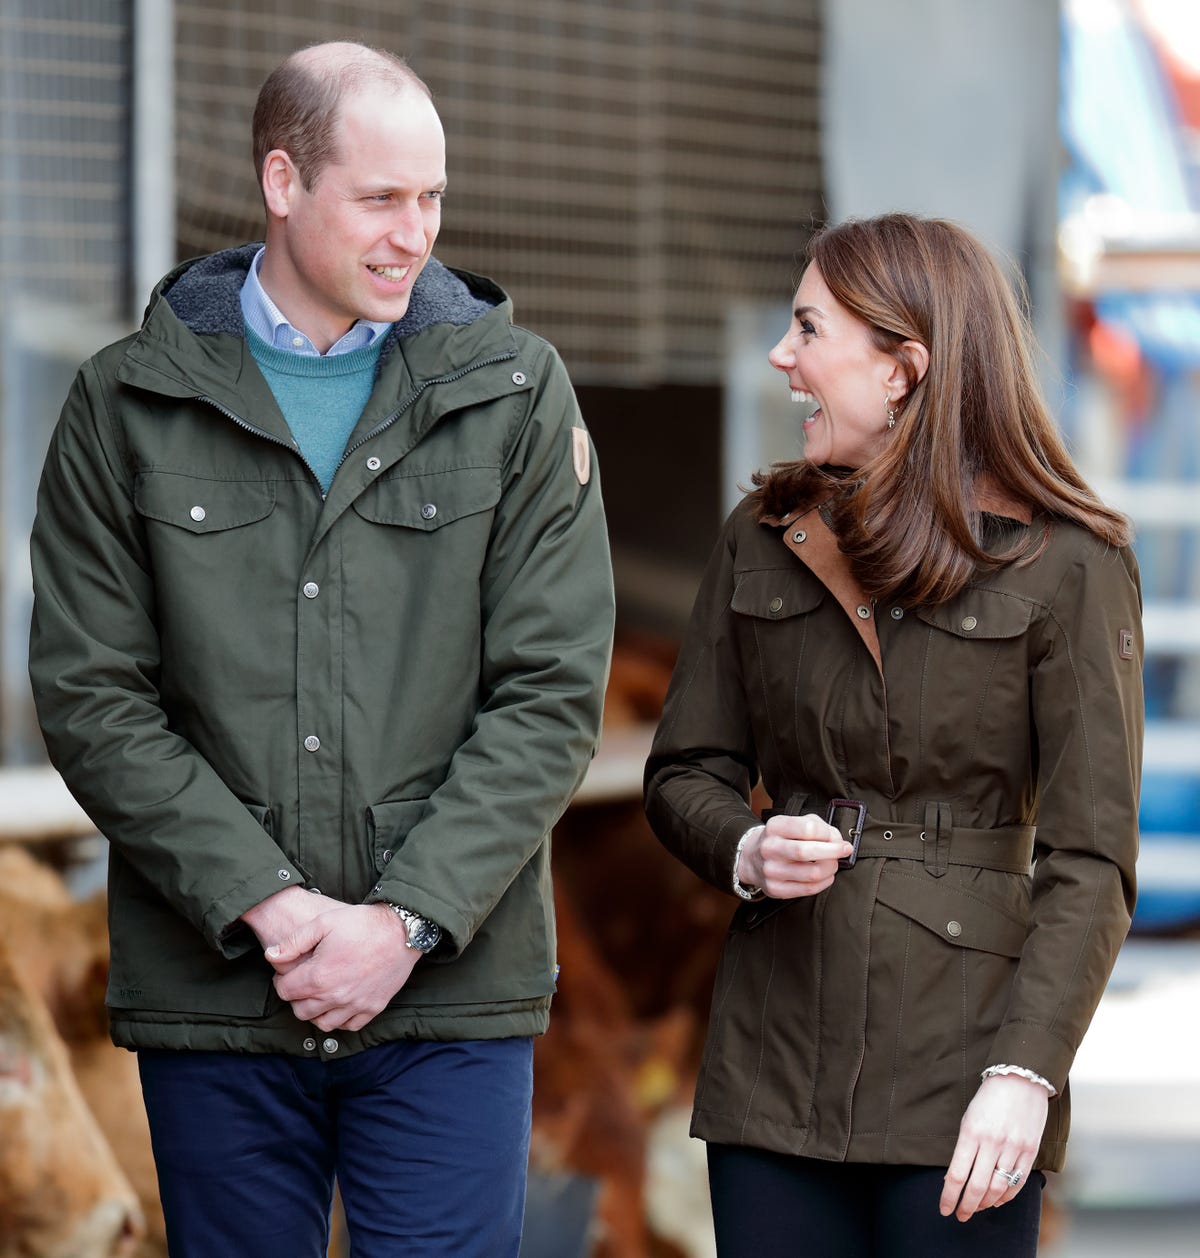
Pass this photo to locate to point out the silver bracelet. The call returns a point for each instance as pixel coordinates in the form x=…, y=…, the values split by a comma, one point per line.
x=1023, y=1073
x=739, y=888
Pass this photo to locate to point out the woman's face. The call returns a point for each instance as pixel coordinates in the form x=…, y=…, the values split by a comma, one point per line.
x=830, y=359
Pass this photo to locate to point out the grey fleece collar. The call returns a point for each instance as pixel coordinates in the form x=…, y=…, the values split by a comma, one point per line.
x=206, y=296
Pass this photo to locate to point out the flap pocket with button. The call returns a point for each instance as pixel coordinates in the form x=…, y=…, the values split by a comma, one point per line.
x=199, y=505
x=388, y=824
x=953, y=913
x=980, y=614
x=775, y=593
x=429, y=500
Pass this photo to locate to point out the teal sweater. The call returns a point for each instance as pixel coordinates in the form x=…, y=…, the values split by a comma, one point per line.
x=321, y=398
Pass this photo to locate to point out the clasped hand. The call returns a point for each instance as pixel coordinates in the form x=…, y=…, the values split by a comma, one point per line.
x=789, y=857
x=336, y=964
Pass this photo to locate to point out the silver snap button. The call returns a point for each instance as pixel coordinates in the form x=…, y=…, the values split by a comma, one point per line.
x=311, y=589
x=954, y=929
x=373, y=464
x=330, y=1045
x=387, y=853
x=197, y=514
x=922, y=836
x=377, y=888
x=312, y=743
x=897, y=613
x=969, y=623
x=799, y=535
x=314, y=890
x=864, y=612
x=777, y=605
x=310, y=1044
x=428, y=511
x=887, y=834
x=284, y=875
x=518, y=377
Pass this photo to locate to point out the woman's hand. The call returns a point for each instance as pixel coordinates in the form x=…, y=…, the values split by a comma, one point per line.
x=791, y=857
x=1001, y=1128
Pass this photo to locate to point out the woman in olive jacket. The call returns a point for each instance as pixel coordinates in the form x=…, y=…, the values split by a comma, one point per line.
x=925, y=637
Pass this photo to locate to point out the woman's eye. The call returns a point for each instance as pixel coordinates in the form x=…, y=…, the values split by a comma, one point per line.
x=807, y=328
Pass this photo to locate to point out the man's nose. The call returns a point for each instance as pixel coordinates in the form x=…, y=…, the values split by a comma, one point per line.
x=408, y=231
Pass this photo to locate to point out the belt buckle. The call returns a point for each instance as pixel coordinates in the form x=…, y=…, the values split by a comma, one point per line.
x=855, y=833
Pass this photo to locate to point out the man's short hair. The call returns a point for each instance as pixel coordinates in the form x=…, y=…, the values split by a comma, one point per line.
x=299, y=105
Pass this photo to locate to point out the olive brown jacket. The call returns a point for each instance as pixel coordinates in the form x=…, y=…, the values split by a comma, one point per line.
x=995, y=743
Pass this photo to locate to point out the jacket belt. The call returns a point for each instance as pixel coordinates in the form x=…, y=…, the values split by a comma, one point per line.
x=938, y=843
x=1008, y=849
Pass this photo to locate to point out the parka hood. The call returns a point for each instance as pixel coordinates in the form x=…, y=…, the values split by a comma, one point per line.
x=205, y=295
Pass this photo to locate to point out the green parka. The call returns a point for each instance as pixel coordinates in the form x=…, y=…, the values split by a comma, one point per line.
x=387, y=693
x=852, y=1026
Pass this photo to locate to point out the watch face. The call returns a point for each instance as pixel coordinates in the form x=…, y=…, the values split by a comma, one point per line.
x=422, y=934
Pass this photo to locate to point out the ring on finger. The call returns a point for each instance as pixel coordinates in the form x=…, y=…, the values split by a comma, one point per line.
x=1014, y=1177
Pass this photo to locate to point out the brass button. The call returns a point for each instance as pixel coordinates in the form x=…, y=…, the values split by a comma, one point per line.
x=969, y=623
x=777, y=604
x=864, y=612
x=954, y=929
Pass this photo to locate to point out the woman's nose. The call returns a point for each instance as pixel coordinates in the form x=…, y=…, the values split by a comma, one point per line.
x=780, y=357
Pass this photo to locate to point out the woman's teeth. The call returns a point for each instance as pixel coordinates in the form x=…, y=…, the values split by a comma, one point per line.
x=390, y=272
x=802, y=395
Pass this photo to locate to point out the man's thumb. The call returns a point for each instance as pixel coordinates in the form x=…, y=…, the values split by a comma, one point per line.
x=303, y=939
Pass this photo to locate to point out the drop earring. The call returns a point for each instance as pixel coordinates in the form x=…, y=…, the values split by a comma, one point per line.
x=891, y=411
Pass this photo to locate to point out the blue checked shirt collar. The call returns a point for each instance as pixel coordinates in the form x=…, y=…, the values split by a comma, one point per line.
x=264, y=318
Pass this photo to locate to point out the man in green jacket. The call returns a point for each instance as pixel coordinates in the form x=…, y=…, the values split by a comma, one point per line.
x=322, y=618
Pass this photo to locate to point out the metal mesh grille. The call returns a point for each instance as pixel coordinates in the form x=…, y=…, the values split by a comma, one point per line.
x=624, y=168
x=64, y=73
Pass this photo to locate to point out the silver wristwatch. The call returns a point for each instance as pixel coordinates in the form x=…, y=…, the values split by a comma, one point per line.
x=423, y=935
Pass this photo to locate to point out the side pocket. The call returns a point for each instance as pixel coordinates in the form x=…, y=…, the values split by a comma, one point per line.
x=388, y=824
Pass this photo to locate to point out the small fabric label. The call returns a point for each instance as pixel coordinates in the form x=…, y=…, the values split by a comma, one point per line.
x=581, y=455
x=1125, y=644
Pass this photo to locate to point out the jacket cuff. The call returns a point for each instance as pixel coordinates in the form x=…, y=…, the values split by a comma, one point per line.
x=457, y=930
x=222, y=926
x=1036, y=1048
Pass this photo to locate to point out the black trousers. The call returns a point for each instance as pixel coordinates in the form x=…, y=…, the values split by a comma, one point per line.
x=771, y=1205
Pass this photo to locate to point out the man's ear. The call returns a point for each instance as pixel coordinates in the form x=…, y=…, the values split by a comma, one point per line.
x=913, y=355
x=280, y=180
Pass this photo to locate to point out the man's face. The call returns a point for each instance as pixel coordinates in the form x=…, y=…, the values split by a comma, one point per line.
x=352, y=246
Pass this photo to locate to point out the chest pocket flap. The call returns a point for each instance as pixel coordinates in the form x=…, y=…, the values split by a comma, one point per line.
x=775, y=593
x=199, y=505
x=428, y=500
x=980, y=614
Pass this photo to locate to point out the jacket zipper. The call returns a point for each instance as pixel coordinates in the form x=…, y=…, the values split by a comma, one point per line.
x=380, y=427
x=395, y=415
x=262, y=432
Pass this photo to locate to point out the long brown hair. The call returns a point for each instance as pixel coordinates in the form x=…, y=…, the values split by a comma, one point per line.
x=908, y=520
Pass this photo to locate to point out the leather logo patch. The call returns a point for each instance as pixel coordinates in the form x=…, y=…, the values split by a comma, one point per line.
x=581, y=455
x=1125, y=644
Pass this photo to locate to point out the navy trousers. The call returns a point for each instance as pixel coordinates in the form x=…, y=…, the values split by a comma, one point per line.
x=771, y=1205
x=429, y=1144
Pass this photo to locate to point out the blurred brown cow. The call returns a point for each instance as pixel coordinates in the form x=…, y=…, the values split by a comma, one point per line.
x=62, y=1192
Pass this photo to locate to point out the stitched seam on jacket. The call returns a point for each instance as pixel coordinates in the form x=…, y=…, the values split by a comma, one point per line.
x=719, y=1011
x=1087, y=755
x=762, y=677
x=762, y=1024
x=983, y=694
x=966, y=1094
x=801, y=769
x=887, y=1135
